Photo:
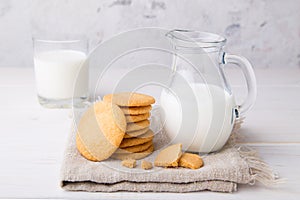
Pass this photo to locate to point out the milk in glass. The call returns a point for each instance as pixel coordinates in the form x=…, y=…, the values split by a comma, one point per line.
x=58, y=71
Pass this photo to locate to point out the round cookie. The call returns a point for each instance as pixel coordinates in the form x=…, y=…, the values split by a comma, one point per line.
x=83, y=151
x=135, y=126
x=136, y=133
x=101, y=129
x=136, y=110
x=135, y=149
x=136, y=156
x=129, y=99
x=128, y=142
x=137, y=118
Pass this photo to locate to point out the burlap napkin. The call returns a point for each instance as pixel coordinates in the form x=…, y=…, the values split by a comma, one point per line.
x=222, y=172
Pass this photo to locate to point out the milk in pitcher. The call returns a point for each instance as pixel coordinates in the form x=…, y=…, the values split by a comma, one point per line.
x=214, y=116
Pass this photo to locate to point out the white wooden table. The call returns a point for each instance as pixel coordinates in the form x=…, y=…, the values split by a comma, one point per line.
x=32, y=139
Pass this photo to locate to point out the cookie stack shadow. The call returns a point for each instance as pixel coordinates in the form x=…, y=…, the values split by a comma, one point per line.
x=137, y=142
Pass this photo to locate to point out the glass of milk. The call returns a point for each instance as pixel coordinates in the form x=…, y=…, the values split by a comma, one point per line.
x=61, y=72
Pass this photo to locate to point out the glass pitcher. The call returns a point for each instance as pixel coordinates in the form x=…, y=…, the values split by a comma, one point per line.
x=198, y=107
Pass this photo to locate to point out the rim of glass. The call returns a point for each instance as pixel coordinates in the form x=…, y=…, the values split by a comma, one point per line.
x=58, y=41
x=185, y=35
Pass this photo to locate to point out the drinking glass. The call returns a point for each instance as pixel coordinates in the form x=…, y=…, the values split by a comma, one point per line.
x=61, y=72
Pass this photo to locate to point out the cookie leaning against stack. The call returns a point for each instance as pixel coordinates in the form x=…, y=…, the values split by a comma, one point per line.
x=100, y=131
x=137, y=142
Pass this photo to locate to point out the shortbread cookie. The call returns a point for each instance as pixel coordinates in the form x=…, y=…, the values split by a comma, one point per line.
x=83, y=151
x=136, y=110
x=101, y=129
x=135, y=126
x=136, y=133
x=146, y=165
x=137, y=118
x=169, y=156
x=129, y=99
x=136, y=156
x=189, y=160
x=135, y=149
x=129, y=142
x=130, y=163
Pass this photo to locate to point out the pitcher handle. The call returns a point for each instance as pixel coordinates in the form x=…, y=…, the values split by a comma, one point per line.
x=249, y=75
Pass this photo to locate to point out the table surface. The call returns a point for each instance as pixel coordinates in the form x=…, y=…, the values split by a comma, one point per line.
x=33, y=139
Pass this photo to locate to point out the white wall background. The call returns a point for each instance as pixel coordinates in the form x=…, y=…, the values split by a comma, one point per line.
x=265, y=31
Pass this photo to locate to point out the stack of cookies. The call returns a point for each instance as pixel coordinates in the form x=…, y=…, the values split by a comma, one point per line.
x=137, y=141
x=117, y=127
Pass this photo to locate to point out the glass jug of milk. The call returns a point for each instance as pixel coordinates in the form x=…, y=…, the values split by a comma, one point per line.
x=198, y=107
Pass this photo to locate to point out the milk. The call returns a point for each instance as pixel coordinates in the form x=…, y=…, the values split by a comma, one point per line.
x=201, y=119
x=57, y=71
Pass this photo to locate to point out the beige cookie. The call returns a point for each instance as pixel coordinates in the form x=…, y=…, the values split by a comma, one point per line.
x=136, y=133
x=129, y=99
x=128, y=142
x=101, y=129
x=134, y=149
x=189, y=160
x=169, y=156
x=137, y=118
x=135, y=156
x=136, y=110
x=83, y=151
x=135, y=126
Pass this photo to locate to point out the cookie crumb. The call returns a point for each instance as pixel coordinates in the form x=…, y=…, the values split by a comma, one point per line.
x=189, y=160
x=130, y=163
x=146, y=165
